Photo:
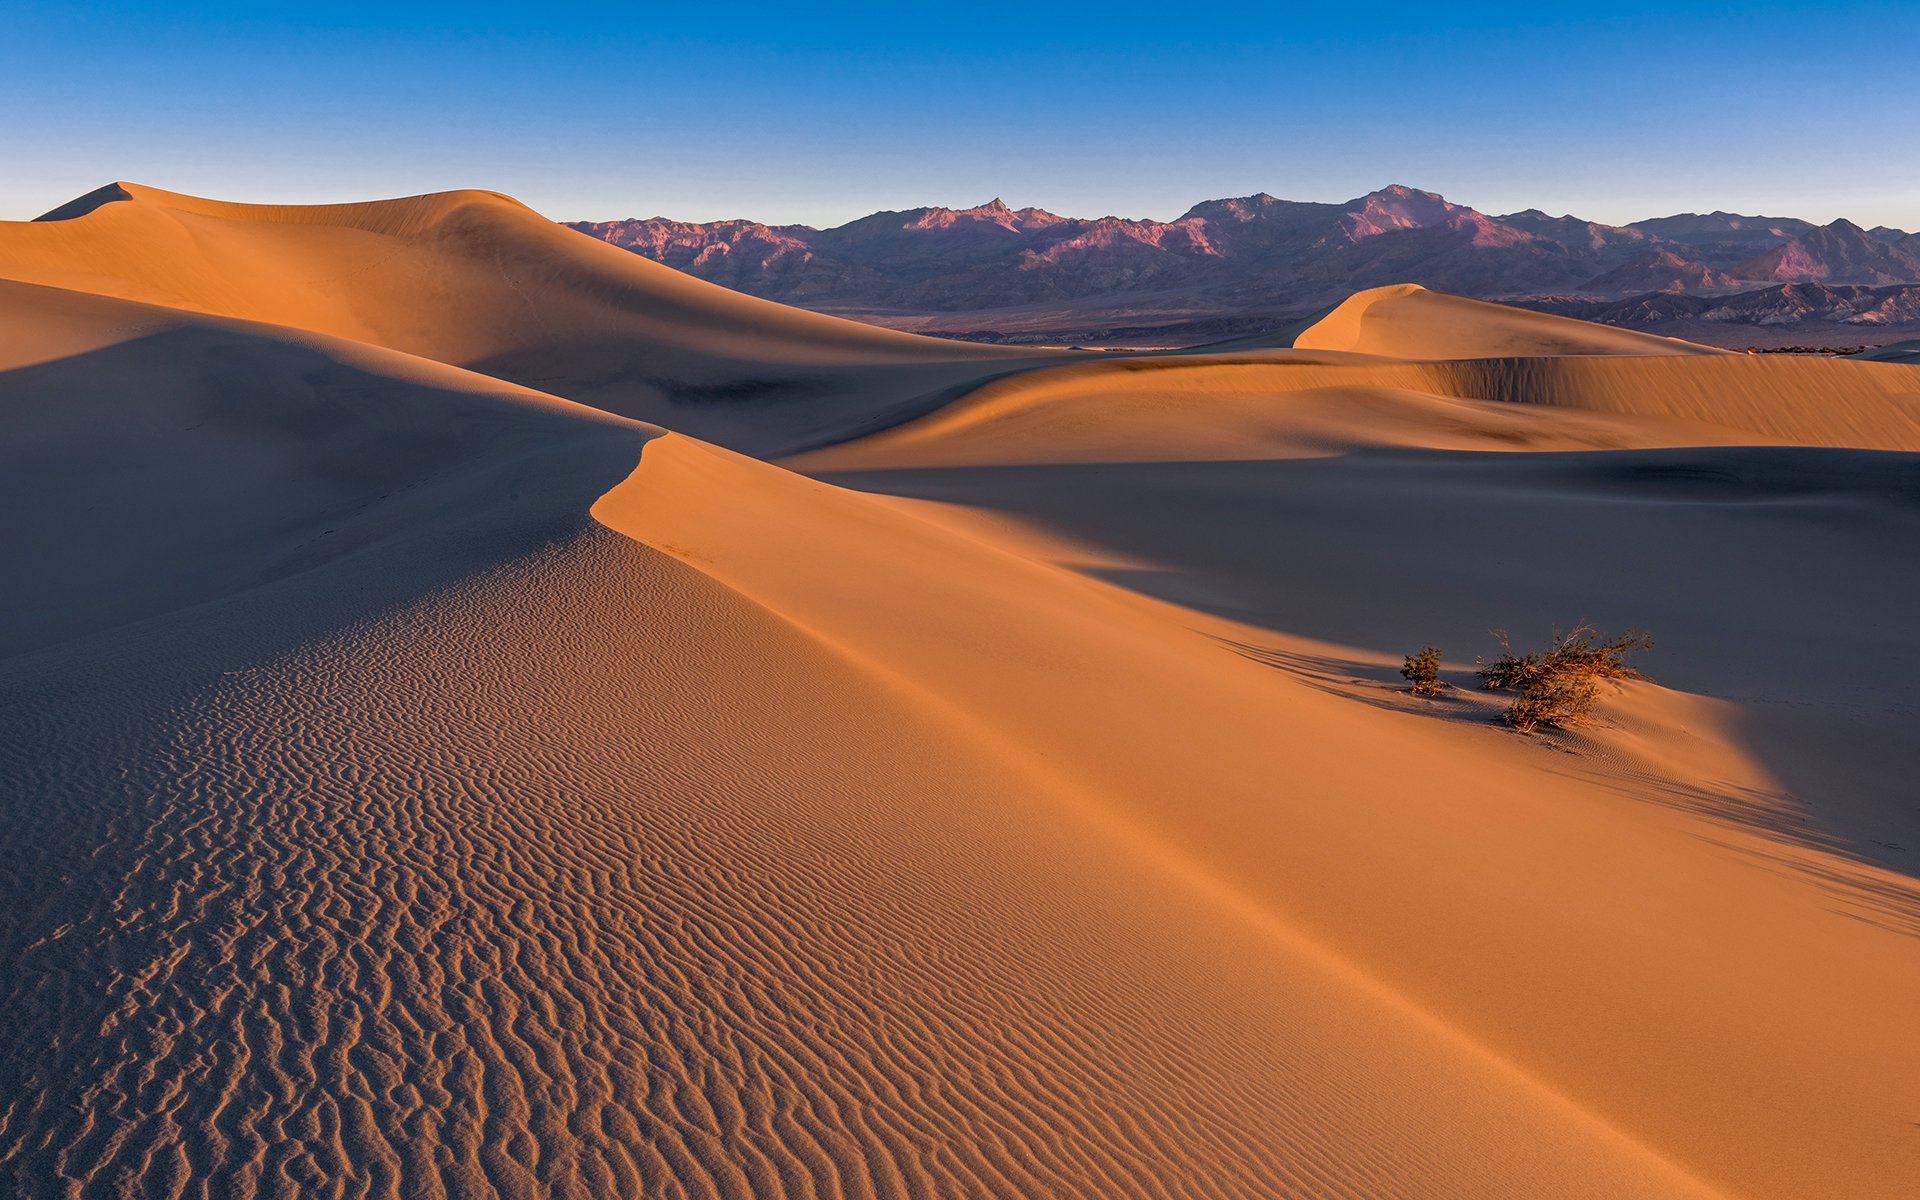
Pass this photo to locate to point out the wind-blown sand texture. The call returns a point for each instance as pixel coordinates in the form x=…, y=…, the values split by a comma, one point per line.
x=427, y=775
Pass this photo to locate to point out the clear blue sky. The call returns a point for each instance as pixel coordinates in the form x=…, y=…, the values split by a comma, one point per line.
x=820, y=114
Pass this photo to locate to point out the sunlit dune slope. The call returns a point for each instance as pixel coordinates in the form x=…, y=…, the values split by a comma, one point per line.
x=477, y=280
x=1566, y=918
x=1408, y=321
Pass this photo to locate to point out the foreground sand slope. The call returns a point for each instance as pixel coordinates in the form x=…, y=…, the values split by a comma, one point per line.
x=498, y=853
x=1736, y=1000
x=477, y=280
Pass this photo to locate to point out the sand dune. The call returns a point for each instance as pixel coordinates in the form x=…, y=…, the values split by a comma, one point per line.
x=1328, y=569
x=1408, y=321
x=424, y=784
x=1264, y=404
x=169, y=459
x=475, y=279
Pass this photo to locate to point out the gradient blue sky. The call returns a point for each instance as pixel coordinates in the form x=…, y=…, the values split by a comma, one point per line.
x=820, y=114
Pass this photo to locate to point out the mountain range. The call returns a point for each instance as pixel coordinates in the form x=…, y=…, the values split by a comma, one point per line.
x=992, y=272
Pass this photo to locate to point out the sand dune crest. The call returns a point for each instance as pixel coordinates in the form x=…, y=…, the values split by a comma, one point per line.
x=476, y=280
x=1408, y=321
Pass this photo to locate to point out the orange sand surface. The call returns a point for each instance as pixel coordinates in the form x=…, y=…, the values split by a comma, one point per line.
x=482, y=714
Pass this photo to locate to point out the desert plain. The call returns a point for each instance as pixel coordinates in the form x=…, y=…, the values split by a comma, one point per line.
x=484, y=714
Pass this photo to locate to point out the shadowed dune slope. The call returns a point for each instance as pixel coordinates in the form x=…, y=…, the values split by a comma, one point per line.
x=1408, y=321
x=154, y=459
x=477, y=280
x=1899, y=352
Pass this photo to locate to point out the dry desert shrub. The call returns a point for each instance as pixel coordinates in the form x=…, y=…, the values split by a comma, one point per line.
x=1422, y=670
x=1561, y=701
x=1558, y=686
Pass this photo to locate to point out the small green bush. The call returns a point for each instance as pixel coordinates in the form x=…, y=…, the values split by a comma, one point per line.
x=1422, y=670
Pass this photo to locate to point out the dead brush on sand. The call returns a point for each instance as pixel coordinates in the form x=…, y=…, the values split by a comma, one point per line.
x=1422, y=671
x=1559, y=686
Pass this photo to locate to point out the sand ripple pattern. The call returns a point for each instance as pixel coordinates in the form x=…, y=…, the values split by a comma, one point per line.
x=493, y=892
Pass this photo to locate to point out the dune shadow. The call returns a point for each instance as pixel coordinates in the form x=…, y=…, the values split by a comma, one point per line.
x=189, y=464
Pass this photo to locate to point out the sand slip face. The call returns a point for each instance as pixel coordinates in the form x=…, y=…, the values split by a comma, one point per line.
x=419, y=784
x=154, y=460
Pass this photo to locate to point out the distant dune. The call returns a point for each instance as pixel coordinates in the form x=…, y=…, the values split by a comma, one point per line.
x=476, y=280
x=1262, y=404
x=485, y=715
x=1408, y=321
x=1901, y=352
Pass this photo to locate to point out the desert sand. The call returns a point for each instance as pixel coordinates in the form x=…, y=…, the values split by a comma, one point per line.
x=1408, y=321
x=487, y=715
